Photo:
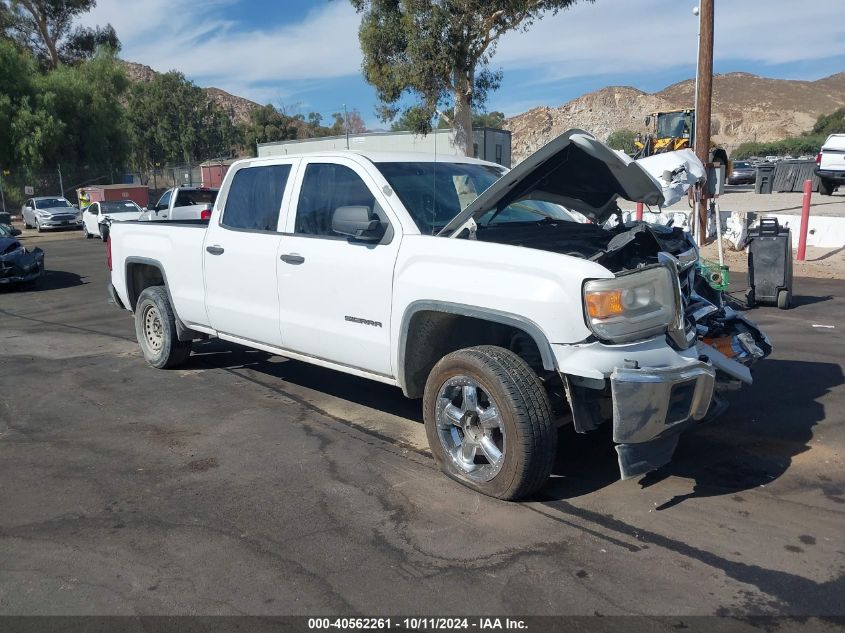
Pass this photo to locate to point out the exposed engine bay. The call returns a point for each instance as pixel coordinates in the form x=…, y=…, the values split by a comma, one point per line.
x=627, y=247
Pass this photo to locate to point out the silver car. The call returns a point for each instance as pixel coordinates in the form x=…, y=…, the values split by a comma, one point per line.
x=50, y=212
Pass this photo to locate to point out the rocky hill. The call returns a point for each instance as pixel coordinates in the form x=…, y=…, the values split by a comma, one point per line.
x=745, y=108
x=238, y=108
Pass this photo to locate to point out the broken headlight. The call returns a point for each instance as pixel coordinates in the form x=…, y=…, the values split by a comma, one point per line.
x=631, y=306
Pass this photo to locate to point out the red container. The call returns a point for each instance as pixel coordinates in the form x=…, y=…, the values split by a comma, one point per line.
x=139, y=194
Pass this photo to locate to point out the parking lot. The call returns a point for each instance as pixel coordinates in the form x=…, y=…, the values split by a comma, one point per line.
x=248, y=484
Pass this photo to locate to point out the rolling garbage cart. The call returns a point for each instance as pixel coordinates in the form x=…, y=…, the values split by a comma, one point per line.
x=769, y=265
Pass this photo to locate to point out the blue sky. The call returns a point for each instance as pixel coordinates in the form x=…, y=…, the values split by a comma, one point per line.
x=303, y=55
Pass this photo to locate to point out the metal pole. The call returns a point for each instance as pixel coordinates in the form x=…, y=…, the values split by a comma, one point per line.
x=61, y=184
x=704, y=95
x=346, y=124
x=639, y=212
x=805, y=220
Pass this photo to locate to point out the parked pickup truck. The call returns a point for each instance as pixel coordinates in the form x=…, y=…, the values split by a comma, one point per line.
x=830, y=164
x=462, y=283
x=183, y=203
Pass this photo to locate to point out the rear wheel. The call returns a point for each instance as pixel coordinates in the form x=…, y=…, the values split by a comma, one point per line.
x=825, y=187
x=784, y=299
x=155, y=328
x=489, y=422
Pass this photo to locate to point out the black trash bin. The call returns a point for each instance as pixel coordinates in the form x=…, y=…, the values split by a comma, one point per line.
x=765, y=178
x=770, y=265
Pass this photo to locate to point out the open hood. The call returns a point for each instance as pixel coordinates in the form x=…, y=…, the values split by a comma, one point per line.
x=574, y=170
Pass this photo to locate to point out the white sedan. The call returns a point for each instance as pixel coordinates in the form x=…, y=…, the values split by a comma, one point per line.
x=98, y=216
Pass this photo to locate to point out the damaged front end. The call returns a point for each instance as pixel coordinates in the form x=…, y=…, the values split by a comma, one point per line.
x=17, y=265
x=716, y=347
x=665, y=346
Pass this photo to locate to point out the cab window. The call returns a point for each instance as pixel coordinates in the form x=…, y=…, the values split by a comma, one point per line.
x=326, y=187
x=255, y=196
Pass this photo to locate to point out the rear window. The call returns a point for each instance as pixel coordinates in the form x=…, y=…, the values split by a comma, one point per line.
x=255, y=198
x=118, y=206
x=190, y=197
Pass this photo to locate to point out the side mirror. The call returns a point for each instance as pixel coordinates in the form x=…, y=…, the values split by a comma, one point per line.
x=357, y=222
x=648, y=120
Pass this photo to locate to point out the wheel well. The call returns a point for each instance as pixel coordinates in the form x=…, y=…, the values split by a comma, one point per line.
x=139, y=277
x=431, y=334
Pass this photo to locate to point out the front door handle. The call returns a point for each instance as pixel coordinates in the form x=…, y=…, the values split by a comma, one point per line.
x=293, y=258
x=215, y=250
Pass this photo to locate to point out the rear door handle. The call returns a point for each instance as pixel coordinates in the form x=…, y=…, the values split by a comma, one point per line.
x=293, y=258
x=215, y=250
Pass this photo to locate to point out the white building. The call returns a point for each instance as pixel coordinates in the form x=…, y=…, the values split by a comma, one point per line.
x=489, y=144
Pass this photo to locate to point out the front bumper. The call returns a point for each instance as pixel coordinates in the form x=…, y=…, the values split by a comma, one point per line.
x=25, y=269
x=59, y=224
x=650, y=408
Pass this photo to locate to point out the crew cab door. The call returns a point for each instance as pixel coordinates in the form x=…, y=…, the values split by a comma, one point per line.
x=241, y=250
x=335, y=291
x=91, y=217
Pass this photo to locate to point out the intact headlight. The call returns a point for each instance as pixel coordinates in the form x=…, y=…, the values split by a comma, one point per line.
x=631, y=306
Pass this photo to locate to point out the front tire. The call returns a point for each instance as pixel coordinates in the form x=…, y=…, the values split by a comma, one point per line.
x=155, y=328
x=38, y=226
x=489, y=422
x=784, y=299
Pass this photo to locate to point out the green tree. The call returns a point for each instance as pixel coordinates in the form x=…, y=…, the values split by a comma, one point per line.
x=416, y=119
x=827, y=124
x=169, y=119
x=439, y=52
x=266, y=124
x=45, y=27
x=624, y=140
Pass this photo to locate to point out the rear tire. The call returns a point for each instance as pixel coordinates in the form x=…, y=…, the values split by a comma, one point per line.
x=155, y=328
x=784, y=299
x=489, y=422
x=825, y=187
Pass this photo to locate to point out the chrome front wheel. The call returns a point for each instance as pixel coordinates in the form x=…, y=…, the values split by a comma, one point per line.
x=470, y=428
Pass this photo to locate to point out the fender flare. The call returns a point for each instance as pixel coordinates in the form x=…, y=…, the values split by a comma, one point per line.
x=488, y=314
x=183, y=332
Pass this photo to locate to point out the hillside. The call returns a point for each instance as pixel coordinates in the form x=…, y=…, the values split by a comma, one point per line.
x=745, y=108
x=238, y=108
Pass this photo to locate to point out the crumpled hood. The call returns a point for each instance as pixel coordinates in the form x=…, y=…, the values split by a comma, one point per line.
x=574, y=170
x=675, y=171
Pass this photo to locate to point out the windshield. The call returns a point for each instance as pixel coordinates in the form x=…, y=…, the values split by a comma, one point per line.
x=434, y=193
x=673, y=125
x=51, y=203
x=120, y=206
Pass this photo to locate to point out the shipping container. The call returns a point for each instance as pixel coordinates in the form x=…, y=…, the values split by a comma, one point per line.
x=139, y=194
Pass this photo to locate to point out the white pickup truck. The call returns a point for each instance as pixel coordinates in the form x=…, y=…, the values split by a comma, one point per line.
x=830, y=164
x=462, y=283
x=183, y=203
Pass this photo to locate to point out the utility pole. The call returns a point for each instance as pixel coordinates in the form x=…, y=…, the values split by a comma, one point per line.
x=61, y=184
x=703, y=99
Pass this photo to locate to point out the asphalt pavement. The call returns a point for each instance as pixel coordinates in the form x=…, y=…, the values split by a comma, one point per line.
x=245, y=483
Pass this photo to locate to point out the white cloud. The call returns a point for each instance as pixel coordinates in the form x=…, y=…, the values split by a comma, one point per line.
x=185, y=35
x=278, y=62
x=647, y=36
